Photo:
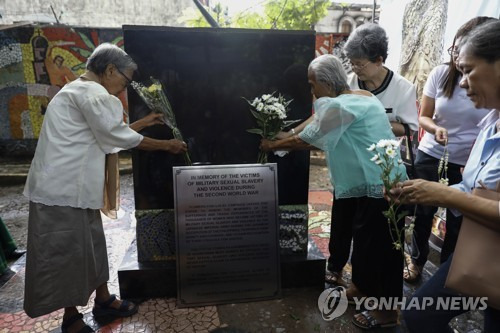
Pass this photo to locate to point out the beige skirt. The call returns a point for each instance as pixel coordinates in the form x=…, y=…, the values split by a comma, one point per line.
x=66, y=258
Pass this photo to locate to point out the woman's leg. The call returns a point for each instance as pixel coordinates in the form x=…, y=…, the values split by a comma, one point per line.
x=102, y=295
x=340, y=234
x=426, y=168
x=70, y=322
x=377, y=266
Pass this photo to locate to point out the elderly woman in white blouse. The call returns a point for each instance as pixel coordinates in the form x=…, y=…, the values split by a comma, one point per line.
x=66, y=257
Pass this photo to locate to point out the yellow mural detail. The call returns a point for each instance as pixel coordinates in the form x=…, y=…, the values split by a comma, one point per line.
x=69, y=59
x=36, y=104
x=29, y=73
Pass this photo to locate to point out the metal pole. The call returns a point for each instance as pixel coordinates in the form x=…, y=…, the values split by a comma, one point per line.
x=213, y=23
x=373, y=12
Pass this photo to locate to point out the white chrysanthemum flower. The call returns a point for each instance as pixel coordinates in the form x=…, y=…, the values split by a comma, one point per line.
x=255, y=101
x=372, y=147
x=383, y=143
x=395, y=143
x=265, y=97
x=260, y=106
x=374, y=158
x=390, y=152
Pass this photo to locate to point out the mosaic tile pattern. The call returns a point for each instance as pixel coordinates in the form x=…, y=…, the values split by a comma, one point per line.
x=155, y=235
x=27, y=56
x=293, y=229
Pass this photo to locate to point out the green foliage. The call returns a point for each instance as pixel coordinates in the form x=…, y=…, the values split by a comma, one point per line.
x=193, y=18
x=278, y=14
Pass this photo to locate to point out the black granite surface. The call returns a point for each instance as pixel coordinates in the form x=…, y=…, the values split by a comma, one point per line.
x=206, y=73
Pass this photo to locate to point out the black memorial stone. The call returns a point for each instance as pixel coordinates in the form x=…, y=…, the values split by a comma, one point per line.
x=207, y=73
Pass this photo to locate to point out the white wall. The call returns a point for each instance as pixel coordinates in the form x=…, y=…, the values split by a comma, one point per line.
x=95, y=13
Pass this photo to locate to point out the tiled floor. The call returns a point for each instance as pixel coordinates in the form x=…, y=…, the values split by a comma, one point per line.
x=155, y=315
x=295, y=312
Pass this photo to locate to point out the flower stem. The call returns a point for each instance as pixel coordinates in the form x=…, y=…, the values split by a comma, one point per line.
x=262, y=157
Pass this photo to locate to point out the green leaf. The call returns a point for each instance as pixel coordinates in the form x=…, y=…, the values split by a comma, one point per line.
x=78, y=67
x=387, y=214
x=255, y=131
x=117, y=40
x=87, y=41
x=257, y=115
x=290, y=122
x=84, y=53
x=402, y=214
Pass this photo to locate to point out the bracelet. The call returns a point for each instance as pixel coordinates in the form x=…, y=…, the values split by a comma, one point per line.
x=293, y=131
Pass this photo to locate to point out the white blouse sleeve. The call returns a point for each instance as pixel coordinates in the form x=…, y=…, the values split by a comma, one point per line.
x=104, y=115
x=330, y=122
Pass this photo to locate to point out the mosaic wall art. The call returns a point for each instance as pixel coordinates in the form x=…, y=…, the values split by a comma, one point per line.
x=35, y=63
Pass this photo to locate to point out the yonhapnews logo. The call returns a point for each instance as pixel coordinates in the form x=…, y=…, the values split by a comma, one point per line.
x=332, y=303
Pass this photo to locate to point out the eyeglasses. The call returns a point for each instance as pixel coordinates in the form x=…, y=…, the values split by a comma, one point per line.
x=129, y=81
x=453, y=51
x=359, y=67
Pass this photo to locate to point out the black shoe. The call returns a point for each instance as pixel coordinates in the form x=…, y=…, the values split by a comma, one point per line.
x=16, y=254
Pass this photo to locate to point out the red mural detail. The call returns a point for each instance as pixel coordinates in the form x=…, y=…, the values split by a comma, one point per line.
x=325, y=43
x=17, y=104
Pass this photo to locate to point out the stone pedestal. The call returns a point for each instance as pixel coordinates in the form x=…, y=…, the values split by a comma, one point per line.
x=158, y=278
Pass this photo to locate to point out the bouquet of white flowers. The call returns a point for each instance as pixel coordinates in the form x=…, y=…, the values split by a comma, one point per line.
x=270, y=113
x=157, y=101
x=386, y=157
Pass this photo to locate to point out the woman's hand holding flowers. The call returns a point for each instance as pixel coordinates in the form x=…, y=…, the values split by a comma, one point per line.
x=419, y=191
x=175, y=146
x=266, y=145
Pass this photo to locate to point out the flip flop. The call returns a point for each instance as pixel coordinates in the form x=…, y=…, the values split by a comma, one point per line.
x=104, y=308
x=372, y=323
x=335, y=278
x=411, y=272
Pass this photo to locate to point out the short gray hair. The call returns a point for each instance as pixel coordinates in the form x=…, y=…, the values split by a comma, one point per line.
x=106, y=54
x=328, y=70
x=368, y=41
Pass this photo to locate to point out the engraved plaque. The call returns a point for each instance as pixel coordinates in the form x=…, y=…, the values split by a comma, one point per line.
x=227, y=233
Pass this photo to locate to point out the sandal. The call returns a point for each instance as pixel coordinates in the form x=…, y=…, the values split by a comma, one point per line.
x=66, y=324
x=104, y=308
x=335, y=278
x=371, y=322
x=412, y=273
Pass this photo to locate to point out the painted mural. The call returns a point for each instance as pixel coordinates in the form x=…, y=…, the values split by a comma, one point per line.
x=333, y=44
x=35, y=63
